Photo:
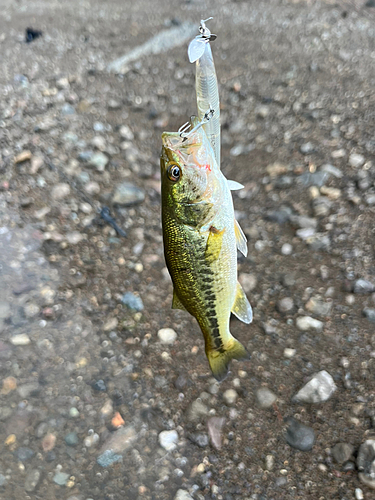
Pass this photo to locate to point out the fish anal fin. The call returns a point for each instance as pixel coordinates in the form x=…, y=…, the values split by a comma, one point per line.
x=219, y=359
x=214, y=244
x=241, y=307
x=240, y=238
x=234, y=186
x=176, y=302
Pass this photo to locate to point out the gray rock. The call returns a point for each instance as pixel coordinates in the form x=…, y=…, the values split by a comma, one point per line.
x=303, y=222
x=71, y=439
x=121, y=440
x=215, y=425
x=281, y=216
x=315, y=179
x=342, y=452
x=108, y=457
x=288, y=280
x=285, y=305
x=305, y=233
x=60, y=191
x=27, y=390
x=318, y=306
x=182, y=495
x=330, y=169
x=32, y=480
x=230, y=396
x=197, y=410
x=307, y=148
x=199, y=438
x=23, y=453
x=305, y=323
x=132, y=301
x=31, y=310
x=265, y=397
x=369, y=313
x=356, y=160
x=99, y=161
x=248, y=282
x=366, y=462
x=67, y=109
x=61, y=478
x=5, y=310
x=168, y=440
x=299, y=436
x=322, y=206
x=319, y=242
x=127, y=194
x=319, y=389
x=3, y=480
x=363, y=286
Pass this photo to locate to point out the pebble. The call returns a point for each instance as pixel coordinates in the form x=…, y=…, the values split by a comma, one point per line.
x=356, y=160
x=265, y=398
x=127, y=194
x=99, y=386
x=305, y=323
x=108, y=458
x=338, y=153
x=200, y=439
x=332, y=193
x=363, y=286
x=73, y=412
x=270, y=462
x=126, y=133
x=289, y=353
x=248, y=282
x=299, y=436
x=330, y=169
x=168, y=440
x=369, y=313
x=32, y=480
x=197, y=410
x=23, y=453
x=98, y=142
x=167, y=336
x=61, y=478
x=110, y=325
x=342, y=452
x=182, y=495
x=71, y=439
x=359, y=494
x=99, y=161
x=230, y=396
x=215, y=425
x=20, y=339
x=5, y=310
x=319, y=389
x=313, y=179
x=60, y=191
x=307, y=148
x=121, y=440
x=285, y=305
x=48, y=442
x=132, y=301
x=286, y=249
x=305, y=233
x=74, y=237
x=27, y=390
x=9, y=385
x=366, y=462
x=24, y=156
x=31, y=310
x=319, y=307
x=3, y=480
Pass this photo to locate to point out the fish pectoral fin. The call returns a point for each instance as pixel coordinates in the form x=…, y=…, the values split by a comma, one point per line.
x=176, y=302
x=234, y=186
x=240, y=238
x=214, y=244
x=241, y=307
x=219, y=359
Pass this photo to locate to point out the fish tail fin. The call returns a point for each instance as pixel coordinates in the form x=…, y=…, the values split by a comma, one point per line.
x=219, y=359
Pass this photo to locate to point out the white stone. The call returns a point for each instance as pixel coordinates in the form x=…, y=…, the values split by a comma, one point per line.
x=21, y=339
x=286, y=249
x=356, y=160
x=319, y=389
x=230, y=396
x=167, y=335
x=306, y=323
x=183, y=495
x=168, y=440
x=289, y=353
x=359, y=494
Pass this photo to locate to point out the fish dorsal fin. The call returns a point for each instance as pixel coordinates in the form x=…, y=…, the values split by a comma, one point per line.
x=176, y=302
x=240, y=238
x=214, y=243
x=234, y=186
x=241, y=307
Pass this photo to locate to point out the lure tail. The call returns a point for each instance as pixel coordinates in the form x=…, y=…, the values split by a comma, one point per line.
x=219, y=359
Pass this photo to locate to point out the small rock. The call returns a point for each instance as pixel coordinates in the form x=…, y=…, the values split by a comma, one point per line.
x=24, y=156
x=99, y=161
x=31, y=310
x=265, y=397
x=121, y=440
x=110, y=325
x=276, y=169
x=305, y=233
x=60, y=191
x=67, y=109
x=307, y=148
x=71, y=439
x=305, y=323
x=199, y=438
x=61, y=478
x=62, y=83
x=36, y=164
x=5, y=310
x=132, y=301
x=99, y=386
x=48, y=442
x=197, y=410
x=342, y=452
x=230, y=396
x=356, y=160
x=32, y=480
x=23, y=453
x=248, y=282
x=319, y=389
x=338, y=153
x=215, y=425
x=167, y=336
x=99, y=142
x=289, y=353
x=180, y=382
x=298, y=435
x=9, y=385
x=367, y=480
x=363, y=286
x=74, y=237
x=127, y=194
x=168, y=440
x=126, y=133
x=3, y=480
x=20, y=339
x=359, y=494
x=182, y=495
x=108, y=458
x=286, y=249
x=313, y=179
x=285, y=305
x=369, y=313
x=27, y=390
x=73, y=412
x=332, y=193
x=270, y=462
x=330, y=169
x=319, y=307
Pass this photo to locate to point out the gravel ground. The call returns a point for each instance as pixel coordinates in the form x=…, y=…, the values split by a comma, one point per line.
x=106, y=392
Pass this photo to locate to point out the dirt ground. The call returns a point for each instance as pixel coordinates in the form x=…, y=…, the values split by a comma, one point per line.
x=88, y=386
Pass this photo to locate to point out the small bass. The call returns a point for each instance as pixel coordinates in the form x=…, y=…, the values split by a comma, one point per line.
x=201, y=237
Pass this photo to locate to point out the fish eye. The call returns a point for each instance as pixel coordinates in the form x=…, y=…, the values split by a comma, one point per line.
x=174, y=173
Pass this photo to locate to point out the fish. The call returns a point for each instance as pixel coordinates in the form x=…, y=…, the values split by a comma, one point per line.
x=206, y=86
x=201, y=237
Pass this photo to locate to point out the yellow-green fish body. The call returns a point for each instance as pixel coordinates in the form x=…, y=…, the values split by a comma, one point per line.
x=201, y=237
